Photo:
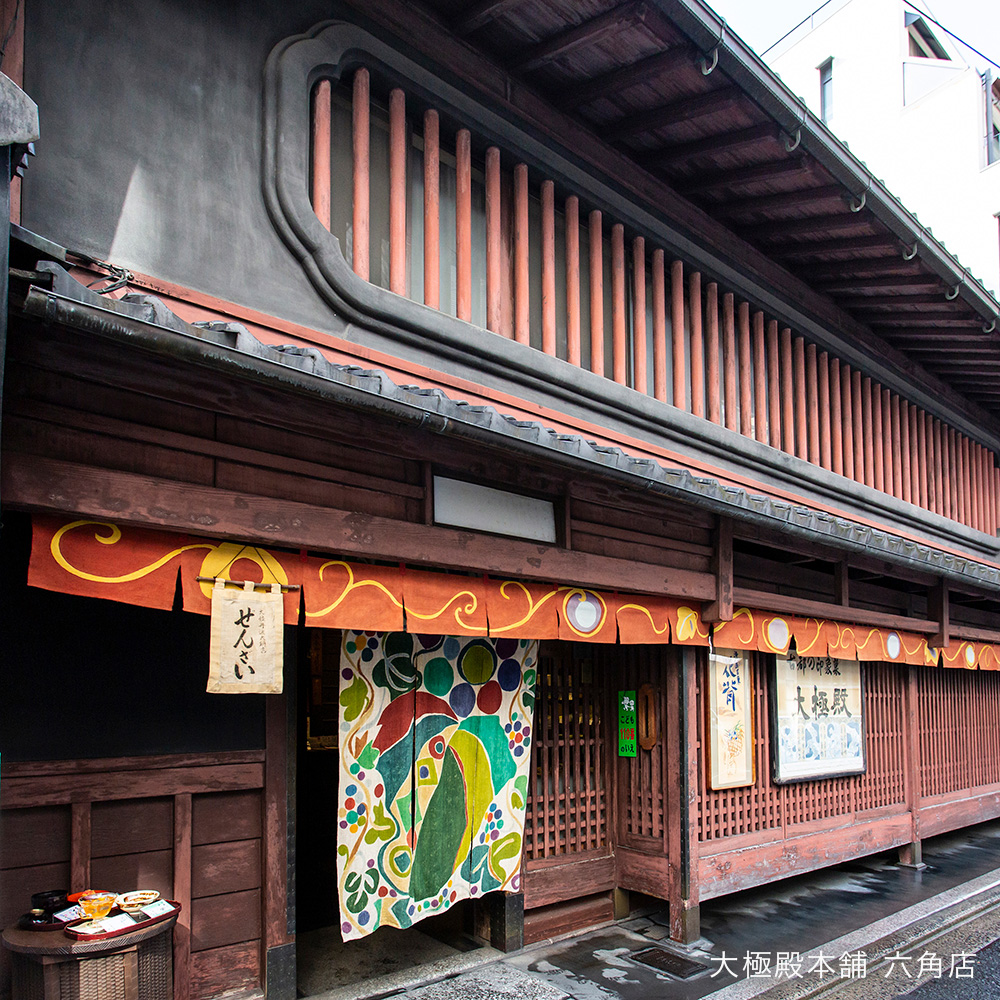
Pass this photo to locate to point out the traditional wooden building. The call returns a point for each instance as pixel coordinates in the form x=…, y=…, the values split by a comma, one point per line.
x=428, y=309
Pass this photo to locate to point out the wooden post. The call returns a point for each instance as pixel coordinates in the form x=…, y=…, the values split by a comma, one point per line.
x=360, y=238
x=697, y=346
x=890, y=446
x=618, y=335
x=397, y=191
x=494, y=243
x=685, y=917
x=596, y=294
x=799, y=383
x=876, y=435
x=463, y=225
x=910, y=854
x=548, y=199
x=321, y=181
x=859, y=434
x=847, y=420
x=721, y=609
x=787, y=394
x=80, y=846
x=842, y=583
x=773, y=385
x=432, y=210
x=746, y=369
x=924, y=484
x=762, y=431
x=182, y=894
x=901, y=434
x=729, y=361
x=522, y=301
x=640, y=376
x=836, y=421
x=712, y=372
x=659, y=327
x=937, y=609
x=867, y=427
x=677, y=333
x=573, y=280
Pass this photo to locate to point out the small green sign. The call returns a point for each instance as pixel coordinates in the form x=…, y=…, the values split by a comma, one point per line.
x=626, y=723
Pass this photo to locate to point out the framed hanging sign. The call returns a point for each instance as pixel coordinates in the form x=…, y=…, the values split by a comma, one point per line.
x=730, y=719
x=245, y=647
x=817, y=713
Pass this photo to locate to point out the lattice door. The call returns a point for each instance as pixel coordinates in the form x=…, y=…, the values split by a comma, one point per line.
x=567, y=809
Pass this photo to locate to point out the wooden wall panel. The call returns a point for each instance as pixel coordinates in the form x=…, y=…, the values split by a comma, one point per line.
x=228, y=919
x=34, y=836
x=122, y=872
x=225, y=816
x=128, y=827
x=222, y=868
x=221, y=970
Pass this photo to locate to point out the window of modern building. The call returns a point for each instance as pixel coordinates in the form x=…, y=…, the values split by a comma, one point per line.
x=826, y=90
x=923, y=44
x=991, y=92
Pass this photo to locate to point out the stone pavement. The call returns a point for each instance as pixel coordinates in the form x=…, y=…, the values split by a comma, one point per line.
x=868, y=929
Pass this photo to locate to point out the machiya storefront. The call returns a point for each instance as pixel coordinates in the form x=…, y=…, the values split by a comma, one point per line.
x=454, y=738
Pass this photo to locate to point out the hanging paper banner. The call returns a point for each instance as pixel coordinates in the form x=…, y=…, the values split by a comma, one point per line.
x=340, y=594
x=730, y=706
x=520, y=610
x=818, y=713
x=245, y=646
x=434, y=764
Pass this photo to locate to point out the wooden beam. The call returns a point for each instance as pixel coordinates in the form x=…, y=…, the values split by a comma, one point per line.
x=42, y=484
x=925, y=319
x=793, y=228
x=839, y=286
x=764, y=600
x=781, y=200
x=579, y=35
x=837, y=270
x=721, y=609
x=937, y=607
x=709, y=181
x=889, y=301
x=670, y=114
x=849, y=244
x=712, y=145
x=621, y=79
x=482, y=13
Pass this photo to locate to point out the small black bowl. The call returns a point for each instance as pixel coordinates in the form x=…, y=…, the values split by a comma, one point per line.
x=50, y=900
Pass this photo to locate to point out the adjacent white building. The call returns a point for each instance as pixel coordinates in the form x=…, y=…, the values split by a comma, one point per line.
x=898, y=90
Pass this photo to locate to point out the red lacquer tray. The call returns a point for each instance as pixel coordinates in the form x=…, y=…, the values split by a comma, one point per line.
x=137, y=926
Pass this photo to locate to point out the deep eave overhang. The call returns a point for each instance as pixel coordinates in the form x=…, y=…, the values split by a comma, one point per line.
x=147, y=325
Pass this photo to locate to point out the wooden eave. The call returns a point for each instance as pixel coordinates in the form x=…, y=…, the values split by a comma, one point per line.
x=633, y=74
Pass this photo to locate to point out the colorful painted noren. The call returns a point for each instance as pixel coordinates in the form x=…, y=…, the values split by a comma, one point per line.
x=435, y=746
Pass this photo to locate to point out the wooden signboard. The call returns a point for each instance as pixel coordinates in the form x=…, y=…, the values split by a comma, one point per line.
x=626, y=724
x=818, y=711
x=730, y=707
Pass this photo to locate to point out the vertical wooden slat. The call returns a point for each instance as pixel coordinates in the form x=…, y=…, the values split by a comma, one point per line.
x=787, y=393
x=876, y=435
x=760, y=380
x=991, y=499
x=712, y=373
x=677, y=333
x=915, y=458
x=729, y=361
x=432, y=209
x=548, y=199
x=977, y=490
x=573, y=354
x=812, y=403
x=836, y=420
x=640, y=376
x=859, y=434
x=618, y=336
x=360, y=233
x=938, y=469
x=953, y=473
x=463, y=224
x=522, y=302
x=890, y=447
x=746, y=389
x=996, y=503
x=659, y=327
x=963, y=493
x=80, y=847
x=495, y=257
x=799, y=381
x=596, y=294
x=923, y=474
x=397, y=191
x=697, y=346
x=825, y=429
x=321, y=127
x=773, y=384
x=901, y=433
x=866, y=423
x=847, y=419
x=182, y=894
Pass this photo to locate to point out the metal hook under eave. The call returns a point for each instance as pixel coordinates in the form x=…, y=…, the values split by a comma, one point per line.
x=794, y=145
x=858, y=201
x=910, y=254
x=705, y=68
x=991, y=327
x=953, y=294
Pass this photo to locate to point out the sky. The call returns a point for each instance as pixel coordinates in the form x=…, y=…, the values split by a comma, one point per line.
x=760, y=23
